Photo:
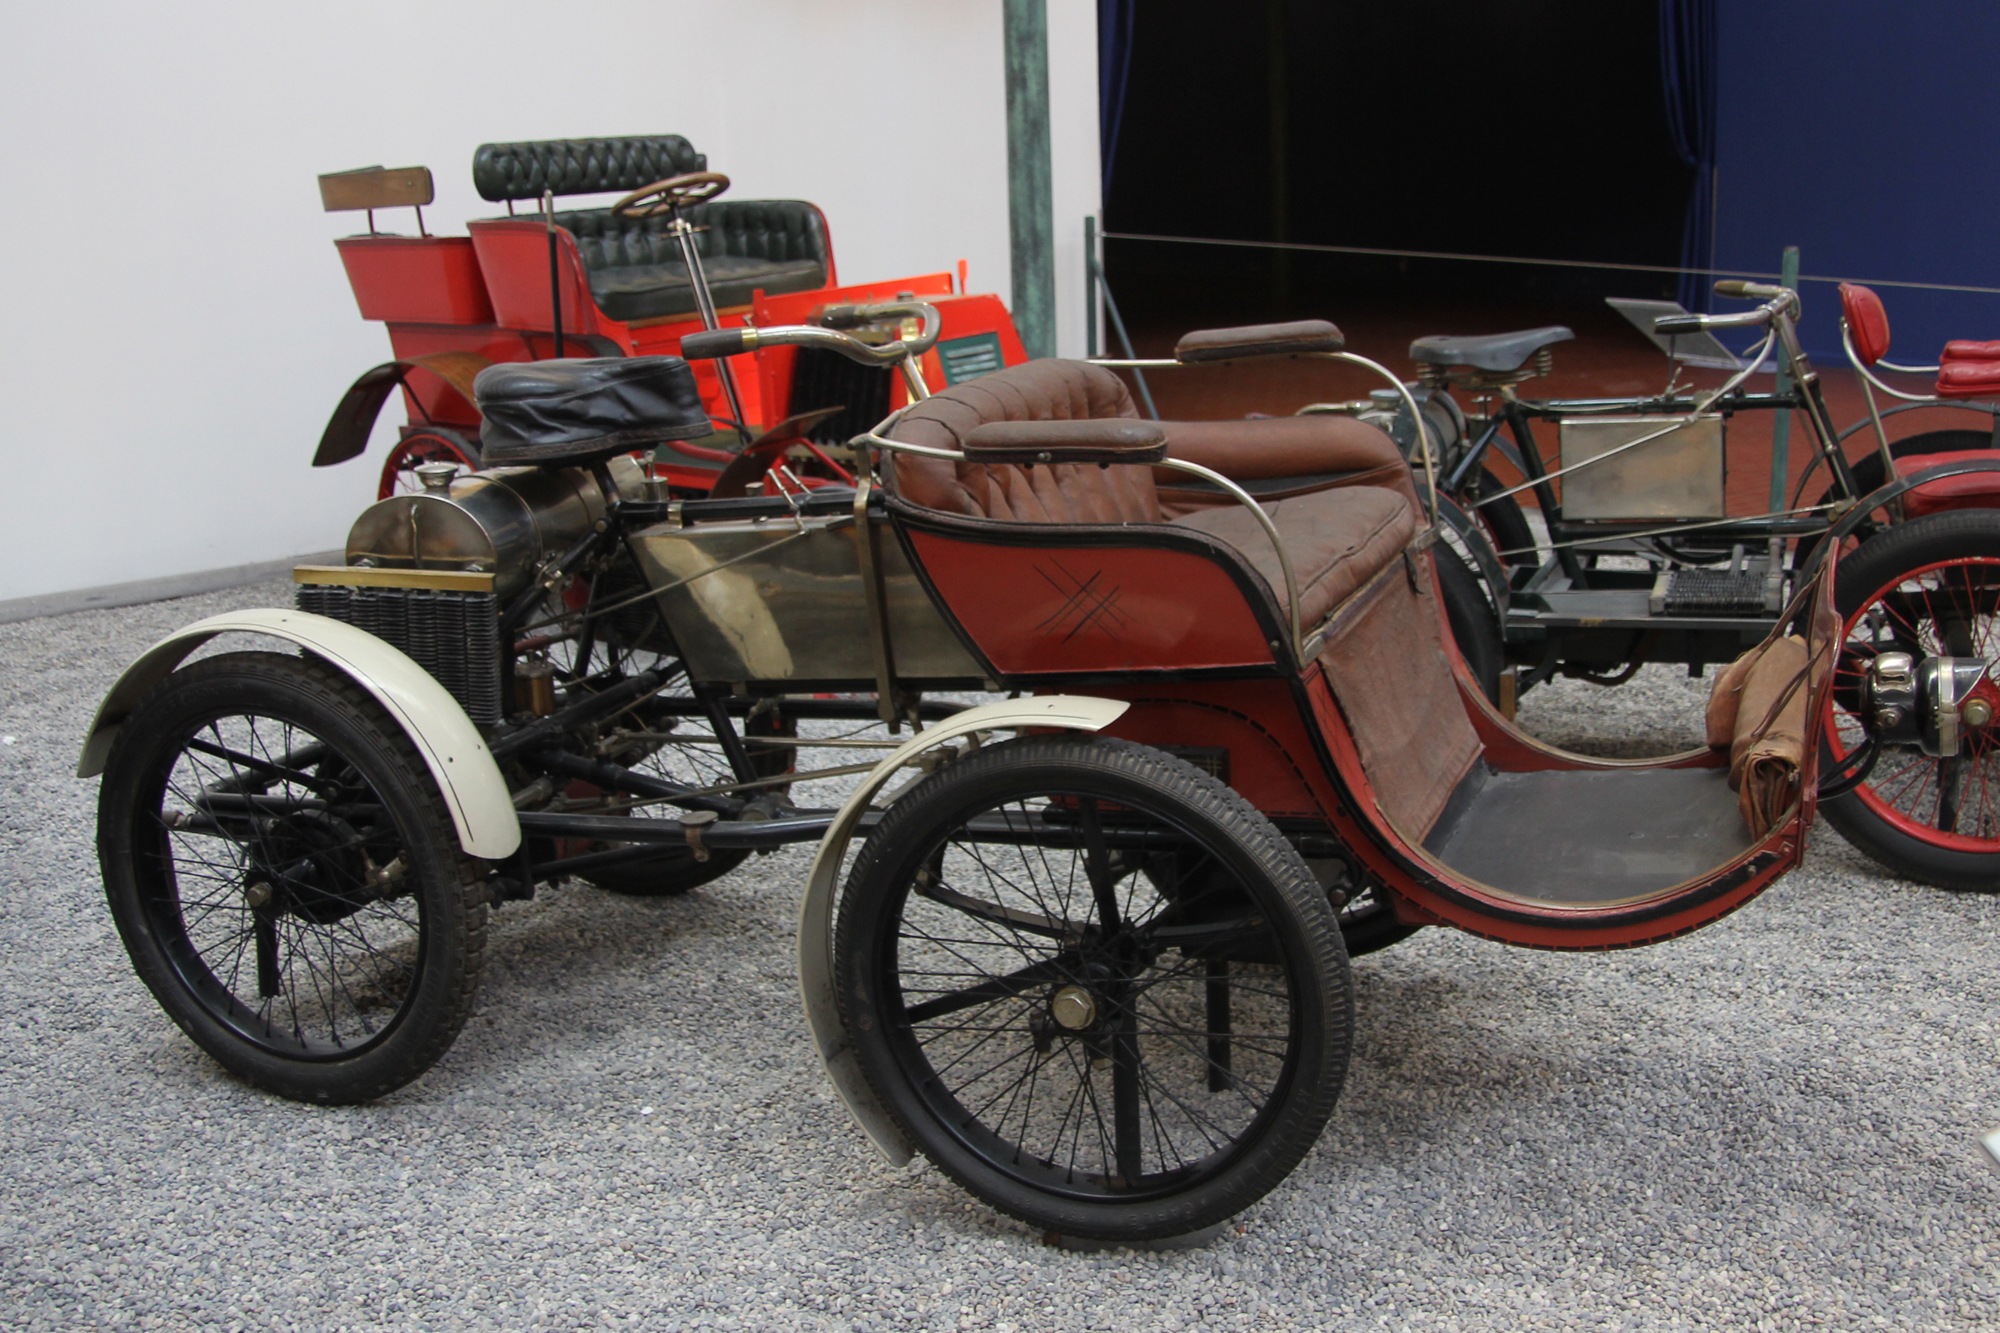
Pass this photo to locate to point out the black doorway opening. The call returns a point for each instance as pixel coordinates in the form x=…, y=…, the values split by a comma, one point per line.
x=1524, y=127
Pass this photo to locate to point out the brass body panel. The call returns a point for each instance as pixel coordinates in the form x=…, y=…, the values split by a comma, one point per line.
x=783, y=600
x=356, y=576
x=1680, y=475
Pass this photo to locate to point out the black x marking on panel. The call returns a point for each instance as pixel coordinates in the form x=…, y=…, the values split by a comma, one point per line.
x=1085, y=602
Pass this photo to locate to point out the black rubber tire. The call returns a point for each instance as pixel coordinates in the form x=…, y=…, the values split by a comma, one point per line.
x=1882, y=562
x=1281, y=923
x=384, y=807
x=1505, y=522
x=676, y=870
x=1474, y=626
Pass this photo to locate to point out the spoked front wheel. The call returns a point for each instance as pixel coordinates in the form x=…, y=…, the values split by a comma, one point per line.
x=1095, y=986
x=285, y=877
x=1929, y=588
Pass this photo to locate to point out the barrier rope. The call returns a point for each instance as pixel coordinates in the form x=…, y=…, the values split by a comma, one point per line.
x=1546, y=263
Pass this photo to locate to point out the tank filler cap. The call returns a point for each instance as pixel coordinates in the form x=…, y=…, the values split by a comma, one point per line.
x=437, y=477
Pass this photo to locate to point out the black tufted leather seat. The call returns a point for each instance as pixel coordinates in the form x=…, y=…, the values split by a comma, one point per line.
x=502, y=171
x=634, y=267
x=635, y=270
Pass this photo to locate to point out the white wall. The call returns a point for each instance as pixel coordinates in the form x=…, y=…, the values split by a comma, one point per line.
x=178, y=325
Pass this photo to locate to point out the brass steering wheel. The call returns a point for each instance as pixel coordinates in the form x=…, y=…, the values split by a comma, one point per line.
x=671, y=195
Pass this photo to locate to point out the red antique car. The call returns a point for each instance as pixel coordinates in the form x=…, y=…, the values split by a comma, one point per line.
x=630, y=279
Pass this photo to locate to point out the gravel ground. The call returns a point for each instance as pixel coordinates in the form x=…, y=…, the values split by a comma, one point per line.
x=1770, y=1124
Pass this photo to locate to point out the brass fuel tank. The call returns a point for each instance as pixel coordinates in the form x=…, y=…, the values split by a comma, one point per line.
x=502, y=522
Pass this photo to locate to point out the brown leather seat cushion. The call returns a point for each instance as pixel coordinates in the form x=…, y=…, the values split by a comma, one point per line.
x=1035, y=391
x=1338, y=539
x=1273, y=447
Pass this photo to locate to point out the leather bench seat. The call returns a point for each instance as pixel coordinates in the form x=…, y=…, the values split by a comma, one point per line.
x=634, y=267
x=1337, y=540
x=748, y=245
x=1969, y=379
x=1338, y=536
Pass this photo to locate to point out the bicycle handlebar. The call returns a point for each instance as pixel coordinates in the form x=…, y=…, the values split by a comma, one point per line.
x=1775, y=299
x=825, y=332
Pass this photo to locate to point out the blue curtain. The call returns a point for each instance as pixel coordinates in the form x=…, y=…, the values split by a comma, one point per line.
x=1114, y=64
x=1688, y=83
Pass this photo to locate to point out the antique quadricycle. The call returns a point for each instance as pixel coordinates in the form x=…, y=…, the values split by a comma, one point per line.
x=1081, y=944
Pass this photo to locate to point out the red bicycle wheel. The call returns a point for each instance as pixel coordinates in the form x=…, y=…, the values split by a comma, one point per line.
x=1929, y=588
x=399, y=470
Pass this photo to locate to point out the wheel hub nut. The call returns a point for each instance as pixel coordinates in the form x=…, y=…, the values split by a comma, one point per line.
x=257, y=893
x=1975, y=712
x=1074, y=1007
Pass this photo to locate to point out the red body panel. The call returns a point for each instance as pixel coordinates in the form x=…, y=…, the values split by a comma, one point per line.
x=430, y=399
x=430, y=279
x=514, y=257
x=1270, y=752
x=1084, y=609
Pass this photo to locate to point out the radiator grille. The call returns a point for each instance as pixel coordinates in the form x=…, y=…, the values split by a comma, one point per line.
x=453, y=635
x=827, y=379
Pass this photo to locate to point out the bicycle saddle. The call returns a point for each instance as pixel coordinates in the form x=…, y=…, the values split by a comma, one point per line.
x=1497, y=352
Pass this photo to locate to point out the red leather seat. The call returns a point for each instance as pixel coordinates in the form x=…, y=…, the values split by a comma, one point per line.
x=1969, y=379
x=1867, y=322
x=1971, y=490
x=1968, y=369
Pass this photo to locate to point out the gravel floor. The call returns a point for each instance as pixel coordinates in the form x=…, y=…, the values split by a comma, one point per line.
x=1770, y=1124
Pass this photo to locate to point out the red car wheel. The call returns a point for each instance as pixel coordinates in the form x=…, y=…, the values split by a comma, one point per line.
x=1928, y=588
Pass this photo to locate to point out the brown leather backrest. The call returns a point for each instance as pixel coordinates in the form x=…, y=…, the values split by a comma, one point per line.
x=1047, y=390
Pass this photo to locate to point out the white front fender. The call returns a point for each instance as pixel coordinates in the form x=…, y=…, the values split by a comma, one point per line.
x=474, y=791
x=1063, y=711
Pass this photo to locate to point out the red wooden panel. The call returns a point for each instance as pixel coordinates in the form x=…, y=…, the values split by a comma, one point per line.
x=1051, y=608
x=514, y=257
x=428, y=280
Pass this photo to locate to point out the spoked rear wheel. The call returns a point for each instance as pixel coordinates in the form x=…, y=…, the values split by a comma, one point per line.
x=1095, y=986
x=286, y=879
x=1930, y=587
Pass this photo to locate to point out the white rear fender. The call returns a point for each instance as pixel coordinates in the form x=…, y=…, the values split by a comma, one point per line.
x=1061, y=711
x=473, y=789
